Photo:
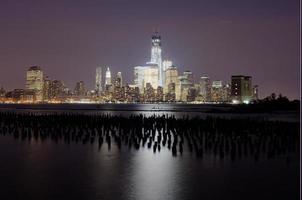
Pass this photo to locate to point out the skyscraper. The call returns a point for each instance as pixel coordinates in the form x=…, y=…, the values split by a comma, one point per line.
x=118, y=82
x=146, y=74
x=151, y=75
x=205, y=88
x=156, y=57
x=80, y=89
x=241, y=89
x=166, y=65
x=185, y=83
x=139, y=78
x=171, y=76
x=98, y=80
x=217, y=91
x=34, y=81
x=47, y=88
x=108, y=77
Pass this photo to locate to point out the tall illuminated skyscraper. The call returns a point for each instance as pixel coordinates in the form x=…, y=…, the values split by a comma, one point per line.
x=34, y=81
x=166, y=65
x=156, y=57
x=139, y=72
x=118, y=82
x=146, y=74
x=98, y=80
x=171, y=76
x=205, y=88
x=108, y=77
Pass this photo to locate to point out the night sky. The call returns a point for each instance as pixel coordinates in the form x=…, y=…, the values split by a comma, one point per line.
x=218, y=38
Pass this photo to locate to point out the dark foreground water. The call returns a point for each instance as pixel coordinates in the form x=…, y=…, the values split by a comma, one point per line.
x=31, y=170
x=45, y=169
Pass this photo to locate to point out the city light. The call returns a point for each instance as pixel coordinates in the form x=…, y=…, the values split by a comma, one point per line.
x=156, y=81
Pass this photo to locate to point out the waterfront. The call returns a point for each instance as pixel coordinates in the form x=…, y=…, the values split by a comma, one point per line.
x=45, y=167
x=175, y=109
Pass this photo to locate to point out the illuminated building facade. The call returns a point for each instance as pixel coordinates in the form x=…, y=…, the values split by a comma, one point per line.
x=171, y=76
x=182, y=89
x=204, y=89
x=58, y=89
x=118, y=81
x=139, y=78
x=156, y=56
x=2, y=92
x=149, y=94
x=35, y=82
x=166, y=65
x=159, y=94
x=217, y=91
x=80, y=89
x=146, y=74
x=119, y=90
x=98, y=80
x=47, y=89
x=241, y=89
x=132, y=93
x=108, y=77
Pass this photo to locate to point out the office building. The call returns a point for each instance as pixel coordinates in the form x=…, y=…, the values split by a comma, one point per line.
x=146, y=74
x=35, y=82
x=241, y=89
x=98, y=81
x=156, y=56
x=118, y=80
x=80, y=89
x=205, y=89
x=108, y=77
x=171, y=76
x=217, y=91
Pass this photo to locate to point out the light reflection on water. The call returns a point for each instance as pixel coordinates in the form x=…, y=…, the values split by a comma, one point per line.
x=35, y=170
x=178, y=110
x=155, y=175
x=31, y=170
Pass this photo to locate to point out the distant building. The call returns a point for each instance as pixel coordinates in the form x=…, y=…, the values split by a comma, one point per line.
x=149, y=93
x=170, y=96
x=2, y=92
x=47, y=89
x=166, y=65
x=35, y=82
x=185, y=83
x=118, y=81
x=132, y=93
x=241, y=89
x=98, y=80
x=159, y=94
x=205, y=89
x=226, y=93
x=58, y=89
x=146, y=74
x=217, y=91
x=156, y=57
x=191, y=94
x=21, y=95
x=255, y=92
x=80, y=89
x=108, y=77
x=171, y=76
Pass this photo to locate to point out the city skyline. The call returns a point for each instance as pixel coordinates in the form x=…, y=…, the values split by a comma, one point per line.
x=263, y=43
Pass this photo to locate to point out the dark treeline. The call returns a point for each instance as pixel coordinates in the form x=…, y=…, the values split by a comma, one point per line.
x=235, y=138
x=269, y=104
